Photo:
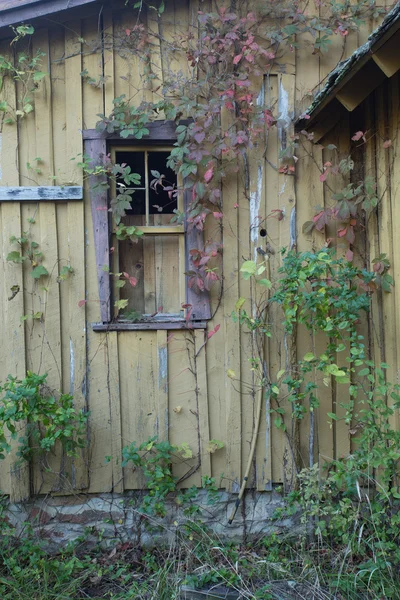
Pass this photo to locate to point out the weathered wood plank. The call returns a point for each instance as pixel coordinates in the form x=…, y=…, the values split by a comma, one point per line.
x=138, y=373
x=200, y=302
x=162, y=371
x=159, y=131
x=202, y=396
x=76, y=241
x=13, y=305
x=18, y=12
x=42, y=193
x=98, y=196
x=156, y=325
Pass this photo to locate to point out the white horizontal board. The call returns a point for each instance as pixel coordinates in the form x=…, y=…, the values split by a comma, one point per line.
x=43, y=193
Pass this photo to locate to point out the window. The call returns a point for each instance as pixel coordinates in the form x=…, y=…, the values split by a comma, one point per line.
x=158, y=262
x=153, y=266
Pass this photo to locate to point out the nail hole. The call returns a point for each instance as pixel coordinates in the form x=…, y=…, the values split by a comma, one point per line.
x=263, y=232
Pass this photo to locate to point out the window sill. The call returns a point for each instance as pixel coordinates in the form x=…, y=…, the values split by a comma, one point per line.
x=149, y=325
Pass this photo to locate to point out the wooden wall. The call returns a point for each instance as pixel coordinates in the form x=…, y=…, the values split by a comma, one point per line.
x=137, y=384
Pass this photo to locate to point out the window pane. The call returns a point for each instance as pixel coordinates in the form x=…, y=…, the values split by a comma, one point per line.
x=135, y=160
x=161, y=202
x=154, y=262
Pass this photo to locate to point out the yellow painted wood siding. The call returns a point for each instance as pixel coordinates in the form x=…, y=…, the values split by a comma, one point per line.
x=138, y=384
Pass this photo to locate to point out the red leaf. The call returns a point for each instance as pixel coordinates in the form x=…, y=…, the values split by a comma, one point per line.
x=82, y=303
x=387, y=144
x=209, y=174
x=133, y=281
x=323, y=176
x=213, y=331
x=342, y=232
x=349, y=255
x=217, y=215
x=358, y=135
x=237, y=59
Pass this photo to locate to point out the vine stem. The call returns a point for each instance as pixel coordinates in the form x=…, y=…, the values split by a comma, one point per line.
x=251, y=455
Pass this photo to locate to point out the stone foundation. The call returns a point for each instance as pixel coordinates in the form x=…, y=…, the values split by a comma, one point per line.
x=118, y=518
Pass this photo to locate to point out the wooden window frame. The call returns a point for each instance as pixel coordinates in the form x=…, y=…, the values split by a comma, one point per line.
x=153, y=230
x=96, y=147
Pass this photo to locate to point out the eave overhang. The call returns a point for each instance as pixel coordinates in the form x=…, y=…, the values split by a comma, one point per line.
x=355, y=78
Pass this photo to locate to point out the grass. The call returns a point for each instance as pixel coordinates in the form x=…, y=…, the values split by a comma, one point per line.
x=272, y=567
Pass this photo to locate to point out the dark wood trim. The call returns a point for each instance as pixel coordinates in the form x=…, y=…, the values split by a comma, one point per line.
x=95, y=146
x=200, y=302
x=15, y=11
x=149, y=326
x=41, y=193
x=97, y=150
x=159, y=131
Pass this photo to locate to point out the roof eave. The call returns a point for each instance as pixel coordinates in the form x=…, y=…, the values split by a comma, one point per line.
x=364, y=58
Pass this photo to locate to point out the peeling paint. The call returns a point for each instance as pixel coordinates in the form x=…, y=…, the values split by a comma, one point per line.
x=163, y=367
x=255, y=200
x=293, y=240
x=283, y=112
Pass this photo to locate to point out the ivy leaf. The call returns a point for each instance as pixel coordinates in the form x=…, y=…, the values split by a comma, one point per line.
x=39, y=271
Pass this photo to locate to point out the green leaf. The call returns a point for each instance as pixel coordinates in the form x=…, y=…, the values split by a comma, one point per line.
x=248, y=268
x=363, y=372
x=38, y=75
x=214, y=445
x=39, y=271
x=309, y=357
x=15, y=256
x=239, y=303
x=266, y=283
x=120, y=304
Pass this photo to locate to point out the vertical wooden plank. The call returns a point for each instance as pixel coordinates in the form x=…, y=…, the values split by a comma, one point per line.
x=108, y=59
x=231, y=330
x=76, y=237
x=102, y=382
x=5, y=480
x=387, y=243
x=202, y=396
x=310, y=193
x=13, y=330
x=49, y=326
x=92, y=63
x=394, y=157
x=272, y=245
x=162, y=371
x=259, y=185
x=114, y=399
x=139, y=388
x=98, y=199
x=184, y=418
